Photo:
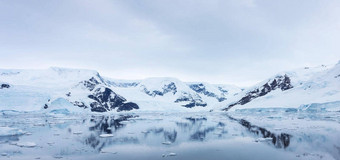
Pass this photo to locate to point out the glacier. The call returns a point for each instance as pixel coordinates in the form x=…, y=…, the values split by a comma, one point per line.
x=61, y=113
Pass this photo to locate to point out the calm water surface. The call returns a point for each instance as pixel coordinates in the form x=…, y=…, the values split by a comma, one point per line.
x=200, y=136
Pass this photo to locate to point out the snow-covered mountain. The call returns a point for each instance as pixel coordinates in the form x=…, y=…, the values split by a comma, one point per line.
x=30, y=90
x=173, y=94
x=295, y=89
x=78, y=90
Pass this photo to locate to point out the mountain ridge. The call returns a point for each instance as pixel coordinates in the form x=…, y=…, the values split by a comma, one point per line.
x=58, y=87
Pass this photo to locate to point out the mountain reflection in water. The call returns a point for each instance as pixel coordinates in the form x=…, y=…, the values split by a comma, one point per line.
x=156, y=135
x=160, y=132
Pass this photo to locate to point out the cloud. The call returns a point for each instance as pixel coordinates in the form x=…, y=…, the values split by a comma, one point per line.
x=233, y=41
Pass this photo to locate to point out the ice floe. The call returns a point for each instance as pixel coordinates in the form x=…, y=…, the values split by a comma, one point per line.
x=25, y=144
x=8, y=131
x=105, y=135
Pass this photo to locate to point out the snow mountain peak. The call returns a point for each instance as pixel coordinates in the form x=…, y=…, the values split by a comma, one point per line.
x=78, y=89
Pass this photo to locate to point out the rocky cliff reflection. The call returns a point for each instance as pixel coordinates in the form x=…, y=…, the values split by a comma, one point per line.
x=133, y=129
x=159, y=135
x=281, y=140
x=107, y=125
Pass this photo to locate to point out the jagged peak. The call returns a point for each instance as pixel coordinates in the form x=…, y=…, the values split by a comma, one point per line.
x=157, y=83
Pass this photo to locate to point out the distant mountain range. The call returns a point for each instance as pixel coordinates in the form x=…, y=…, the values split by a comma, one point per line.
x=86, y=90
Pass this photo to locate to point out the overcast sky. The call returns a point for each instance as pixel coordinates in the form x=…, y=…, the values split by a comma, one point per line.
x=228, y=41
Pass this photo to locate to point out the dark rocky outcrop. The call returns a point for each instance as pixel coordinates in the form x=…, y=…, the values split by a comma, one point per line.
x=104, y=99
x=91, y=83
x=122, y=84
x=167, y=88
x=200, y=88
x=68, y=94
x=279, y=82
x=195, y=104
x=79, y=104
x=4, y=85
x=128, y=106
x=191, y=101
x=223, y=90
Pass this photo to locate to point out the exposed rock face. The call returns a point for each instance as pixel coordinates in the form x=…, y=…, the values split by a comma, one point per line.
x=2, y=86
x=127, y=106
x=91, y=83
x=200, y=88
x=279, y=82
x=190, y=100
x=79, y=104
x=224, y=92
x=104, y=99
x=167, y=88
x=123, y=84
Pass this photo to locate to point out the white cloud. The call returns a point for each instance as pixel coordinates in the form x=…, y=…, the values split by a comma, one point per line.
x=234, y=41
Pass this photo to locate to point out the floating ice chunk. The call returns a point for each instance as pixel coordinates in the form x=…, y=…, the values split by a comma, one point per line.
x=58, y=157
x=172, y=154
x=109, y=152
x=4, y=154
x=26, y=144
x=78, y=132
x=145, y=132
x=169, y=154
x=7, y=131
x=263, y=139
x=105, y=135
x=39, y=124
x=166, y=143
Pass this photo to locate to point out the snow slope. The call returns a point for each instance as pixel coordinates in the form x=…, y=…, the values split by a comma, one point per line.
x=293, y=89
x=168, y=94
x=86, y=90
x=57, y=88
x=54, y=77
